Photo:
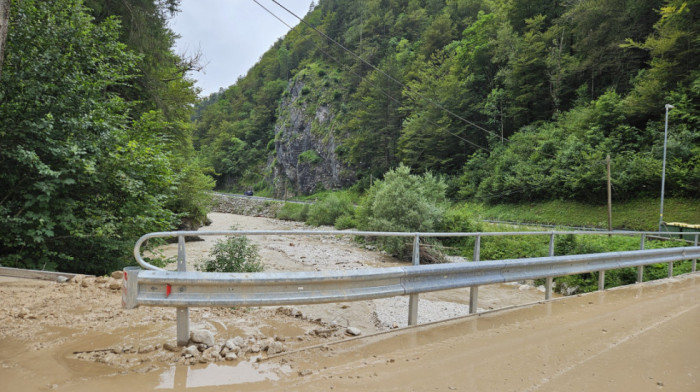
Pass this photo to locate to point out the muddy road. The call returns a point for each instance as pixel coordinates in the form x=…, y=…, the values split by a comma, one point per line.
x=75, y=337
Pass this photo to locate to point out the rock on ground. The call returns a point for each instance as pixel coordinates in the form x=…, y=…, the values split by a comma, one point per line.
x=202, y=336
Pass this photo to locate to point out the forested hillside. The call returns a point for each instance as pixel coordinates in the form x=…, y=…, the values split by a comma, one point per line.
x=506, y=99
x=95, y=135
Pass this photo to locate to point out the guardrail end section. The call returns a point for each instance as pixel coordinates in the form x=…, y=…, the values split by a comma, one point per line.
x=130, y=287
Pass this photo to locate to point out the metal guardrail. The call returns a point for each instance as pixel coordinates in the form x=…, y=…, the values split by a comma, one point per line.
x=181, y=289
x=34, y=274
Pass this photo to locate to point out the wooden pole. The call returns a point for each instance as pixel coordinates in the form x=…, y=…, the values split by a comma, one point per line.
x=607, y=161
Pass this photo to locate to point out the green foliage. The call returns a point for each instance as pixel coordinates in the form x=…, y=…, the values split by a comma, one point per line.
x=294, y=212
x=571, y=244
x=639, y=214
x=190, y=187
x=566, y=159
x=345, y=222
x=83, y=182
x=547, y=90
x=403, y=202
x=330, y=209
x=310, y=156
x=460, y=219
x=235, y=254
x=512, y=247
x=160, y=83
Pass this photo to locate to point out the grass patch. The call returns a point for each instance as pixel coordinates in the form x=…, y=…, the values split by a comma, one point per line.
x=640, y=214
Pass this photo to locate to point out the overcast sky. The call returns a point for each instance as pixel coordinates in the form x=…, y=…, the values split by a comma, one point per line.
x=231, y=34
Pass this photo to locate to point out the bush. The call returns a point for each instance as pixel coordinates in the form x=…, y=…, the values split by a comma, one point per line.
x=293, y=211
x=310, y=156
x=235, y=254
x=345, y=222
x=460, y=220
x=403, y=202
x=327, y=211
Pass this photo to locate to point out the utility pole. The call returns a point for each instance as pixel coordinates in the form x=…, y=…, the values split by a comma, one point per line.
x=607, y=162
x=663, y=168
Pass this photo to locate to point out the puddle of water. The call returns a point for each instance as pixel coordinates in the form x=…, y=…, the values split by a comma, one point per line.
x=282, y=330
x=214, y=375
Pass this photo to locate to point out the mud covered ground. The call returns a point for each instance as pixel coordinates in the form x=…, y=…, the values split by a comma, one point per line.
x=75, y=336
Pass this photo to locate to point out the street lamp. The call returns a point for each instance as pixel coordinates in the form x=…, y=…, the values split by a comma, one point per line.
x=663, y=168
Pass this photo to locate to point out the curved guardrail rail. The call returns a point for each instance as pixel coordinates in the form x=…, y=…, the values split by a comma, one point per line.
x=182, y=289
x=179, y=289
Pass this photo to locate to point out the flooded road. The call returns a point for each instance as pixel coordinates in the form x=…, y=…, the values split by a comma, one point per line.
x=643, y=338
x=76, y=337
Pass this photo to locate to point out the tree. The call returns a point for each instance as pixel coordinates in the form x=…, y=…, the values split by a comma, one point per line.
x=675, y=57
x=161, y=83
x=79, y=188
x=4, y=25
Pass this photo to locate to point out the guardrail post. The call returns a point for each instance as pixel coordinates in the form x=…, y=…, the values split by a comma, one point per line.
x=183, y=313
x=549, y=279
x=413, y=298
x=474, y=290
x=695, y=261
x=130, y=287
x=601, y=280
x=640, y=269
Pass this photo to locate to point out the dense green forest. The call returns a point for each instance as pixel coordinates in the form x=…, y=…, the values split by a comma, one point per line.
x=507, y=100
x=95, y=134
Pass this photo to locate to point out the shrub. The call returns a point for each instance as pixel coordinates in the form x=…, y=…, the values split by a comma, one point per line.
x=293, y=211
x=403, y=202
x=235, y=254
x=310, y=156
x=345, y=222
x=327, y=211
x=460, y=220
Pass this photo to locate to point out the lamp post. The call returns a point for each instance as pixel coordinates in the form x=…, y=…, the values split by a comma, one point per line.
x=663, y=168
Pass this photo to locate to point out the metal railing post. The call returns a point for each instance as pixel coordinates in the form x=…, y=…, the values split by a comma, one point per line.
x=182, y=313
x=548, y=281
x=413, y=298
x=601, y=280
x=695, y=261
x=474, y=290
x=640, y=269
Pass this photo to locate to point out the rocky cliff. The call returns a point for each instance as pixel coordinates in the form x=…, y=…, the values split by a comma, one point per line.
x=306, y=137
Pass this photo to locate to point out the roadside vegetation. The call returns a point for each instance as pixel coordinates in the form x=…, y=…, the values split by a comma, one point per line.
x=638, y=214
x=407, y=202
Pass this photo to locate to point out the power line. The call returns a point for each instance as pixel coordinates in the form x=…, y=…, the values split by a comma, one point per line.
x=439, y=106
x=407, y=88
x=389, y=96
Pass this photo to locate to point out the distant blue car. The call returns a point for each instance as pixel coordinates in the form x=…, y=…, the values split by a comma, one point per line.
x=248, y=192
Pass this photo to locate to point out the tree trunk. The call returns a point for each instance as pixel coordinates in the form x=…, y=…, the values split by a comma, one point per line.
x=4, y=26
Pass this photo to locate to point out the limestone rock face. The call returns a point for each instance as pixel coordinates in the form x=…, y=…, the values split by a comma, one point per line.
x=306, y=140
